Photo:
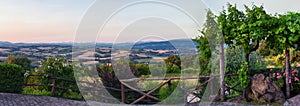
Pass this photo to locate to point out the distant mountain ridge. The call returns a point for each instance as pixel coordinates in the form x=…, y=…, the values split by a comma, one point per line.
x=167, y=45
x=6, y=44
x=138, y=45
x=9, y=44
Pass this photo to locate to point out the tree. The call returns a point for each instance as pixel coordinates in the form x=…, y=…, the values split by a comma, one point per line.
x=20, y=60
x=285, y=37
x=57, y=67
x=173, y=64
x=214, y=36
x=245, y=30
x=107, y=75
x=140, y=69
x=204, y=52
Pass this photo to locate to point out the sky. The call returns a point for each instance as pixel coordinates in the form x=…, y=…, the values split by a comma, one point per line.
x=40, y=20
x=58, y=20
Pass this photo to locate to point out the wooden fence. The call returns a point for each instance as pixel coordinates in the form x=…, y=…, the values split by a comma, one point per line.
x=168, y=82
x=126, y=87
x=53, y=84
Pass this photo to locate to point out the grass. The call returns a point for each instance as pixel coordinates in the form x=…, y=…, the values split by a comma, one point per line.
x=67, y=95
x=31, y=91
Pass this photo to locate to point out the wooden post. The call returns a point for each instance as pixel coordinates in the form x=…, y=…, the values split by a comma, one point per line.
x=287, y=74
x=211, y=89
x=122, y=93
x=222, y=72
x=169, y=84
x=53, y=86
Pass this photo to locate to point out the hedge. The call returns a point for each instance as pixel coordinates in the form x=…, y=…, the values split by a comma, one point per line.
x=11, y=78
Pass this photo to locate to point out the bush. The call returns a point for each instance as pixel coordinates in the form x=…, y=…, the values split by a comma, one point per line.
x=278, y=76
x=60, y=68
x=234, y=59
x=11, y=78
x=140, y=69
x=173, y=69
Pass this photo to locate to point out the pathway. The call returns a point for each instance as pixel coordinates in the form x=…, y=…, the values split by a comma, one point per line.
x=8, y=99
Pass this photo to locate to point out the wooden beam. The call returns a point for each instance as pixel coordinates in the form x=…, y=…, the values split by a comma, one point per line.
x=173, y=78
x=122, y=93
x=53, y=87
x=136, y=90
x=153, y=90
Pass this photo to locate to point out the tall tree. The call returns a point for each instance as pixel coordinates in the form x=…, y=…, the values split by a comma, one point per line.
x=285, y=36
x=245, y=29
x=205, y=54
x=214, y=36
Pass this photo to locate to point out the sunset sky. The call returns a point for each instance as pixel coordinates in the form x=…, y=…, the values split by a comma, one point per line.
x=57, y=20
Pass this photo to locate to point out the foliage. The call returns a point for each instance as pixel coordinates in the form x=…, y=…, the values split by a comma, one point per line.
x=286, y=33
x=215, y=38
x=234, y=59
x=295, y=56
x=173, y=60
x=285, y=36
x=190, y=61
x=257, y=61
x=190, y=70
x=212, y=31
x=21, y=60
x=173, y=64
x=11, y=78
x=57, y=67
x=31, y=91
x=140, y=69
x=244, y=75
x=173, y=69
x=165, y=92
x=204, y=52
x=157, y=70
x=108, y=76
x=245, y=29
x=278, y=75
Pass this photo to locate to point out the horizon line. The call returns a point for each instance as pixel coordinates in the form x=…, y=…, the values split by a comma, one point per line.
x=92, y=42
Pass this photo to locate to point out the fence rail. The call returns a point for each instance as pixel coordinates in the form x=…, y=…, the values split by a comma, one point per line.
x=168, y=82
x=53, y=85
x=124, y=87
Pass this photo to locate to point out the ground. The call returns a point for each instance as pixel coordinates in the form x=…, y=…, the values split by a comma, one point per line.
x=8, y=99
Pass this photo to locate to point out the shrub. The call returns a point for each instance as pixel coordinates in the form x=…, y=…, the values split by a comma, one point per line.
x=234, y=59
x=140, y=69
x=173, y=64
x=278, y=76
x=57, y=67
x=173, y=69
x=11, y=78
